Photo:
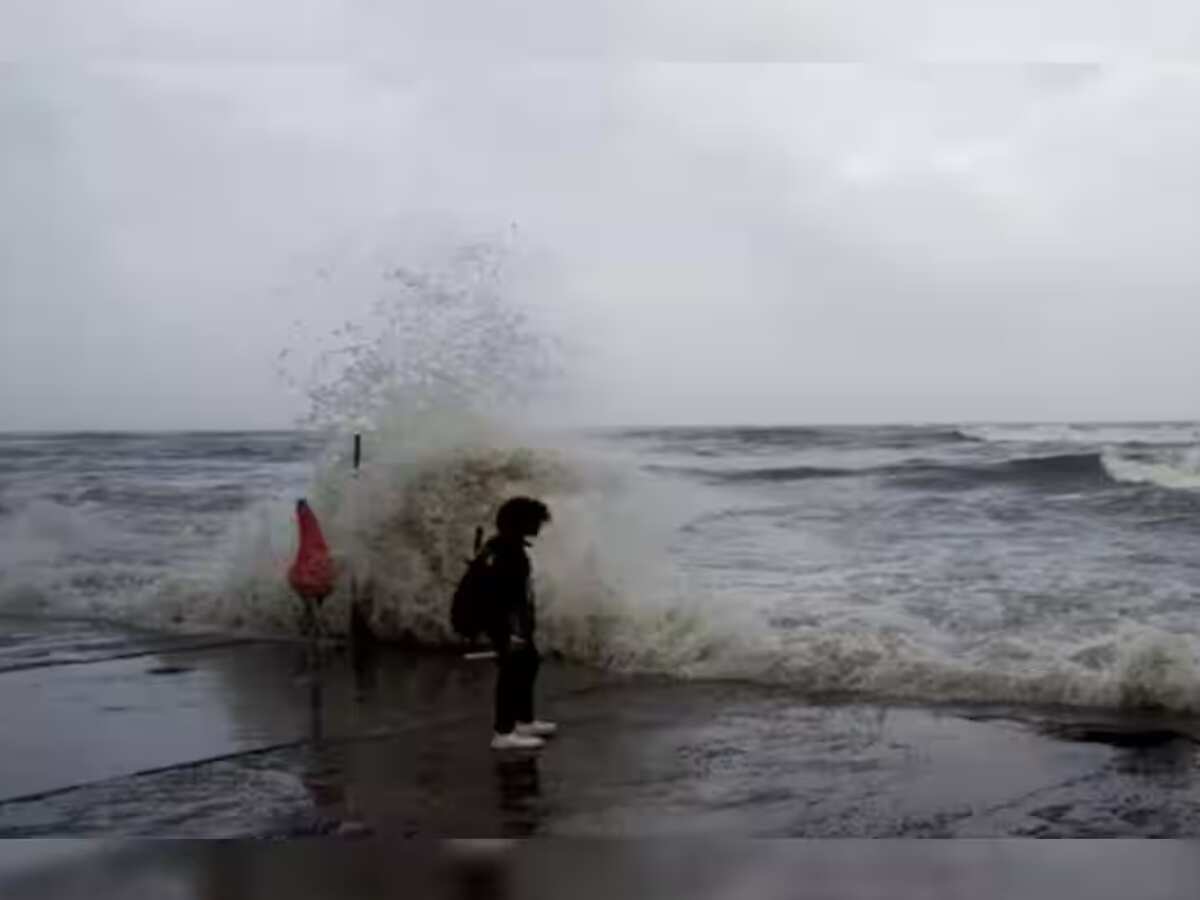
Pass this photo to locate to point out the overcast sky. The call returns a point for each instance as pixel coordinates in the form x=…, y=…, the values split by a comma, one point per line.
x=725, y=234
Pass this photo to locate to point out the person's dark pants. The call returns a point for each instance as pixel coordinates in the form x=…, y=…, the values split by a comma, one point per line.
x=517, y=667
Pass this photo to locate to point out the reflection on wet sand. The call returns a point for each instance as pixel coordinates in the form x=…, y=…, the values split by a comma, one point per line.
x=325, y=773
x=365, y=664
x=518, y=794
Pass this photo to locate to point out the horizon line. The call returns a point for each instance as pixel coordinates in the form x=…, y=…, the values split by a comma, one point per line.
x=628, y=426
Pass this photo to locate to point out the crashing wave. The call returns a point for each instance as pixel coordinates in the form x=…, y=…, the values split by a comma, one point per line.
x=423, y=383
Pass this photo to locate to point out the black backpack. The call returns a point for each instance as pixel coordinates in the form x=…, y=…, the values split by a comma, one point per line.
x=474, y=594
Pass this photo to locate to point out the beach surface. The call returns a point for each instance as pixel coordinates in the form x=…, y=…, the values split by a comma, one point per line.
x=111, y=732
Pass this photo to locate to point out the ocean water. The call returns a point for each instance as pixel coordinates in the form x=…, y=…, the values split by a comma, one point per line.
x=1036, y=564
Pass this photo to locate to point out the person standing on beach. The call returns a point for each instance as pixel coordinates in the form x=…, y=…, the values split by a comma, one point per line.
x=511, y=624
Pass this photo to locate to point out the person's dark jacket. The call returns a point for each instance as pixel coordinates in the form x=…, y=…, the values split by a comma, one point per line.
x=513, y=600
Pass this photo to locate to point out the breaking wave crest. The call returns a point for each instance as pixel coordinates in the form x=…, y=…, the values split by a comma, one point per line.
x=1170, y=468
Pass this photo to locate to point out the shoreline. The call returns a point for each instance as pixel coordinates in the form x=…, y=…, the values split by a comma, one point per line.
x=116, y=732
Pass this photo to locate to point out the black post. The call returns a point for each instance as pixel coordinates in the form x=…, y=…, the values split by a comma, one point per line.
x=361, y=636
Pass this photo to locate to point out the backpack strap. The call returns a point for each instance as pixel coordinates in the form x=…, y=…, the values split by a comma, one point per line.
x=480, y=550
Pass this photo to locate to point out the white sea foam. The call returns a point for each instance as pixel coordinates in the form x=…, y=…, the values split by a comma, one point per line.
x=1177, y=469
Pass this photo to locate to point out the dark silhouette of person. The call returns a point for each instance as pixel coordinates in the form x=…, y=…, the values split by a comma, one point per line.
x=512, y=621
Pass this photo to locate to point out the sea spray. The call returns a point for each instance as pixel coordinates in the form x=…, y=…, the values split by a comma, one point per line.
x=437, y=379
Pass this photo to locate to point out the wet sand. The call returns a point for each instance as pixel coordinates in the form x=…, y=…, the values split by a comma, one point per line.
x=115, y=733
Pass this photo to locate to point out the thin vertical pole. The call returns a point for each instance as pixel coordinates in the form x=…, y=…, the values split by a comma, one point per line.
x=360, y=631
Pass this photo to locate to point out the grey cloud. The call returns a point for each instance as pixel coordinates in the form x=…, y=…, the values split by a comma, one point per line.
x=775, y=242
x=428, y=32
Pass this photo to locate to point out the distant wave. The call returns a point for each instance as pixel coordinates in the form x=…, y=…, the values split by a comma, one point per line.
x=1069, y=467
x=1132, y=434
x=711, y=441
x=224, y=497
x=1169, y=470
x=1036, y=471
x=766, y=474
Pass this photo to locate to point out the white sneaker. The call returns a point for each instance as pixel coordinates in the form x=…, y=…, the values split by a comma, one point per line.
x=516, y=741
x=537, y=728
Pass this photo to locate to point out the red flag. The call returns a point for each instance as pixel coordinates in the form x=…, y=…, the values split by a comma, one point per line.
x=311, y=575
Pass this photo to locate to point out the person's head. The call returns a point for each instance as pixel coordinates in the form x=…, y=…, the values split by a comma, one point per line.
x=521, y=517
